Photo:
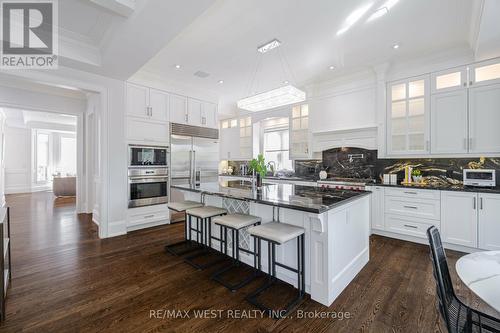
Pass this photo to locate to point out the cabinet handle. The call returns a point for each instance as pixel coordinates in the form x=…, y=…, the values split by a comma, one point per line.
x=150, y=111
x=414, y=193
x=148, y=216
x=470, y=143
x=465, y=84
x=428, y=145
x=410, y=226
x=186, y=117
x=481, y=203
x=411, y=207
x=470, y=83
x=474, y=203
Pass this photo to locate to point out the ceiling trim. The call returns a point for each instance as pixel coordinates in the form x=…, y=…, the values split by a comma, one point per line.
x=123, y=8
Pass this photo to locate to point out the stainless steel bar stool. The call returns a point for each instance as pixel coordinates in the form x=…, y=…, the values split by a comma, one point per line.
x=276, y=233
x=203, y=231
x=234, y=223
x=180, y=207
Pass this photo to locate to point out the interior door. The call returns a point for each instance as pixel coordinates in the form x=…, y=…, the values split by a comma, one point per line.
x=206, y=158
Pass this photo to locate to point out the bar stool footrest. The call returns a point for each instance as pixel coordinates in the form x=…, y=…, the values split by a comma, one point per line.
x=234, y=286
x=275, y=314
x=182, y=247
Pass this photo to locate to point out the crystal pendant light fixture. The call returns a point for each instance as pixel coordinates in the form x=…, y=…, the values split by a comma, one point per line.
x=281, y=96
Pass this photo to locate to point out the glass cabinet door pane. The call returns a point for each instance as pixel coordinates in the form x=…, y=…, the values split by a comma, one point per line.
x=448, y=80
x=296, y=111
x=304, y=109
x=398, y=92
x=305, y=123
x=416, y=88
x=225, y=124
x=399, y=142
x=242, y=122
x=485, y=73
x=416, y=124
x=296, y=124
x=234, y=123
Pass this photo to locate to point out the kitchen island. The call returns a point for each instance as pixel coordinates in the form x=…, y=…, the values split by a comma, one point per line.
x=336, y=224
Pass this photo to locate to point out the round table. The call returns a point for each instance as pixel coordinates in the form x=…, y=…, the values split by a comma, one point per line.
x=480, y=272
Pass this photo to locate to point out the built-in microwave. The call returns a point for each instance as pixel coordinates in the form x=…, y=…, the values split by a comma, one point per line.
x=147, y=187
x=480, y=177
x=148, y=156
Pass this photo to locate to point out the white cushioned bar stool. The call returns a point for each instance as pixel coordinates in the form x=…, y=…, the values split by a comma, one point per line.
x=234, y=223
x=203, y=216
x=276, y=233
x=182, y=206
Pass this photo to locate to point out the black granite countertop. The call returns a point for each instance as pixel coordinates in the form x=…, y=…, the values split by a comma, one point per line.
x=300, y=179
x=445, y=187
x=304, y=198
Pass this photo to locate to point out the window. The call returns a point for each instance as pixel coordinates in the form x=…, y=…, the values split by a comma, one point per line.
x=67, y=163
x=276, y=143
x=42, y=157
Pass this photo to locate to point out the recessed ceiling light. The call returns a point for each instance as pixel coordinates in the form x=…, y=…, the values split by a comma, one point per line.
x=221, y=81
x=331, y=68
x=395, y=46
x=178, y=66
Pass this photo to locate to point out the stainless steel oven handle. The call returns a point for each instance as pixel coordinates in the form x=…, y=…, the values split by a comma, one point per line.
x=148, y=180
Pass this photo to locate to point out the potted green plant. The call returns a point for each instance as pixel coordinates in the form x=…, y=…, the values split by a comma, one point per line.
x=259, y=168
x=417, y=175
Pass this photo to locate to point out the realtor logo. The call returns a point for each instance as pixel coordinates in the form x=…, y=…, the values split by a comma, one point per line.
x=29, y=34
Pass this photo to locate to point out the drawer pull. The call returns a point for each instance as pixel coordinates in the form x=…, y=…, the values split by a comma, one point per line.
x=411, y=226
x=149, y=216
x=414, y=193
x=411, y=207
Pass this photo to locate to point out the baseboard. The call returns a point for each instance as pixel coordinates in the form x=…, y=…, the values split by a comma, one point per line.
x=424, y=241
x=147, y=225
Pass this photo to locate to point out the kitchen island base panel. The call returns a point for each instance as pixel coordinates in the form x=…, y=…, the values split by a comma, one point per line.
x=336, y=244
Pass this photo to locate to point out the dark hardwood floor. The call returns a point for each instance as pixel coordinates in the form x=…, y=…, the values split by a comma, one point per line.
x=67, y=280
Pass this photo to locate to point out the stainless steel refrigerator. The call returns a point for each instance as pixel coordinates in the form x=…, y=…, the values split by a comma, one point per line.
x=192, y=149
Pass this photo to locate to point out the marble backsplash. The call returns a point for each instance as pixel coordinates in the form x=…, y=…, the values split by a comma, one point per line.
x=438, y=170
x=362, y=163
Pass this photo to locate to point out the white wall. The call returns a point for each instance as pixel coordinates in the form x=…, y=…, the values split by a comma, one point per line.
x=17, y=160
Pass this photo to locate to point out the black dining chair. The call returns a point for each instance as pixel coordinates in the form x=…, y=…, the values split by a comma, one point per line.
x=457, y=316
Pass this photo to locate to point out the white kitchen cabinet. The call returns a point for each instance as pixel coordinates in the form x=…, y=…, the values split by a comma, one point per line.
x=485, y=73
x=459, y=224
x=449, y=80
x=408, y=116
x=147, y=131
x=209, y=115
x=158, y=105
x=178, y=109
x=484, y=117
x=246, y=138
x=229, y=143
x=194, y=112
x=299, y=132
x=489, y=221
x=377, y=207
x=449, y=133
x=147, y=103
x=137, y=101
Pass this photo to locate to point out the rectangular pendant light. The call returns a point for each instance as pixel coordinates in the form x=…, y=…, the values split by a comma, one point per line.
x=272, y=99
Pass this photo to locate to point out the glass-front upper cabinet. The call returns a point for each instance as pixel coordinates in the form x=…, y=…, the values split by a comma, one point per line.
x=485, y=73
x=299, y=132
x=449, y=80
x=246, y=137
x=408, y=116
